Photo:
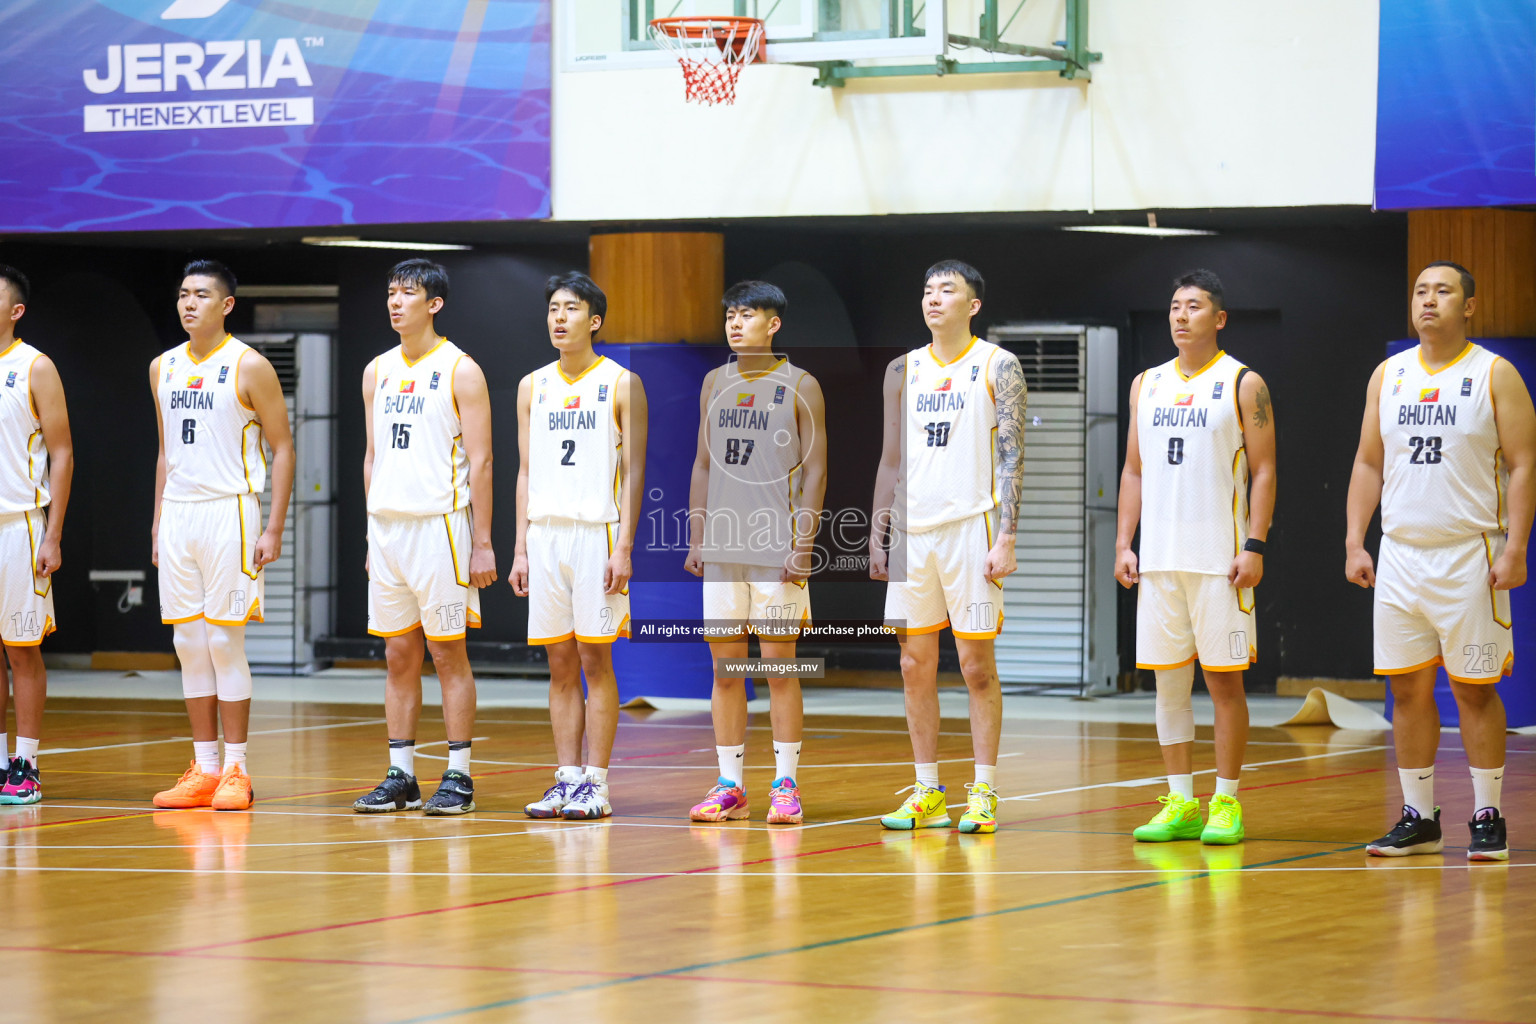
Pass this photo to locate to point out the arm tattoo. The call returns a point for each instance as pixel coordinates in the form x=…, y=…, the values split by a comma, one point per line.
x=1261, y=406
x=1011, y=398
x=898, y=364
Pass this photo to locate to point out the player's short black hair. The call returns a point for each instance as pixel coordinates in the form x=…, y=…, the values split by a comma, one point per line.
x=967, y=273
x=21, y=288
x=761, y=295
x=1468, y=286
x=581, y=286
x=211, y=268
x=430, y=277
x=1206, y=281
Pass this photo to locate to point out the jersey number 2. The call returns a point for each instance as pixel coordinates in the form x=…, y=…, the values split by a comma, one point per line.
x=569, y=459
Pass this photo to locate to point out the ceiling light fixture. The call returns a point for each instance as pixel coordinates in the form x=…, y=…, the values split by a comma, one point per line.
x=369, y=243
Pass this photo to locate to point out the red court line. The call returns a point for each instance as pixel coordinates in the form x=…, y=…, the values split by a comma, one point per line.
x=511, y=899
x=1109, y=1000
x=128, y=812
x=775, y=982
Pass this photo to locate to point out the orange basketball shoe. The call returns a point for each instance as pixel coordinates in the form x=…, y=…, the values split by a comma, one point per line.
x=194, y=789
x=234, y=792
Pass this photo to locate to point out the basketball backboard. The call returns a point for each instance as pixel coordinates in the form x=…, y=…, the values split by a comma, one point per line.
x=606, y=35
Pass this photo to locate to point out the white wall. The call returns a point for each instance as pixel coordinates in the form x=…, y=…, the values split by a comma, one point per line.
x=1198, y=103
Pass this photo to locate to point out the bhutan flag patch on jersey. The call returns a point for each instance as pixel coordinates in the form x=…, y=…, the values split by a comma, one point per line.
x=744, y=400
x=1429, y=394
x=573, y=401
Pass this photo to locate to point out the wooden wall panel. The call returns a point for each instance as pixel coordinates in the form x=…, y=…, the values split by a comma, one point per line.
x=661, y=286
x=1498, y=247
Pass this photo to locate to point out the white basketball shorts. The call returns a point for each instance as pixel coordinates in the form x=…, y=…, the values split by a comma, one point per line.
x=939, y=578
x=1434, y=607
x=566, y=561
x=738, y=598
x=207, y=560
x=1184, y=616
x=27, y=613
x=418, y=575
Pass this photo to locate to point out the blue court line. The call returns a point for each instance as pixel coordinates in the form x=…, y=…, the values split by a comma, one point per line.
x=599, y=985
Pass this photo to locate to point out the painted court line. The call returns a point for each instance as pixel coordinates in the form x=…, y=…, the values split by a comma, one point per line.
x=187, y=739
x=847, y=940
x=717, y=979
x=1120, y=784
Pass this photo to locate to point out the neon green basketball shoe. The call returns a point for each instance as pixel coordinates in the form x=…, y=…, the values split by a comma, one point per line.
x=1179, y=819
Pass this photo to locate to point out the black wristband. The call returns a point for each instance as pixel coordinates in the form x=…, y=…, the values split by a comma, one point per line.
x=1254, y=544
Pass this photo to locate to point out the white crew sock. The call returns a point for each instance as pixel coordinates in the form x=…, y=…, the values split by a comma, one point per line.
x=26, y=748
x=1419, y=790
x=1226, y=787
x=207, y=756
x=458, y=756
x=570, y=773
x=928, y=775
x=732, y=761
x=1487, y=784
x=987, y=773
x=786, y=759
x=234, y=755
x=597, y=776
x=402, y=755
x=1184, y=785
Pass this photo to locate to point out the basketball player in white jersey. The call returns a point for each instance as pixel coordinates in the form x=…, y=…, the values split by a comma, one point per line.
x=1448, y=450
x=581, y=431
x=947, y=499
x=427, y=473
x=755, y=499
x=216, y=401
x=34, y=491
x=1200, y=478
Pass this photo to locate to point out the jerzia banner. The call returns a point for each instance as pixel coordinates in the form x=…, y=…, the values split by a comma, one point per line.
x=174, y=114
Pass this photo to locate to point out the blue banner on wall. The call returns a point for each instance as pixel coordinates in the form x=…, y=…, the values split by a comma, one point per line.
x=1456, y=104
x=172, y=114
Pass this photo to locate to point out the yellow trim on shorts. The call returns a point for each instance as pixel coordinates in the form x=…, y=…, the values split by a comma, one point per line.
x=48, y=628
x=177, y=622
x=254, y=615
x=244, y=560
x=539, y=641
x=1253, y=658
x=1252, y=604
x=1436, y=660
x=446, y=639
x=609, y=532
x=1507, y=670
x=452, y=552
x=917, y=631
x=1162, y=668
x=32, y=545
x=395, y=632
x=1493, y=595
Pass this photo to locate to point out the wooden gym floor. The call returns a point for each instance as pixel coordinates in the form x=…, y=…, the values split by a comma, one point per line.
x=302, y=910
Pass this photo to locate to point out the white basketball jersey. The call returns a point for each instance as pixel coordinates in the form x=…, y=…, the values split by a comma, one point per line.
x=1443, y=475
x=212, y=438
x=419, y=465
x=574, y=444
x=950, y=438
x=753, y=422
x=1194, y=468
x=24, y=476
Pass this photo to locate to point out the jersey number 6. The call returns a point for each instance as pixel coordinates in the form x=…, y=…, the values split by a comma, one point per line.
x=188, y=431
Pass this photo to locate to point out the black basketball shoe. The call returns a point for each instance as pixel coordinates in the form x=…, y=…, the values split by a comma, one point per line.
x=1412, y=834
x=455, y=795
x=398, y=792
x=1488, y=839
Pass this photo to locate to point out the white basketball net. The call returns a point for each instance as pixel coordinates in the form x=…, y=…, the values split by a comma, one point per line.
x=711, y=52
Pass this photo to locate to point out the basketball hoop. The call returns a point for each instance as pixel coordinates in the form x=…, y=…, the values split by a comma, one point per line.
x=711, y=51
